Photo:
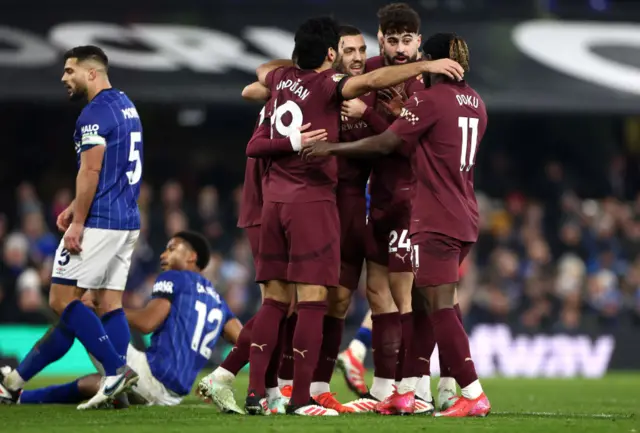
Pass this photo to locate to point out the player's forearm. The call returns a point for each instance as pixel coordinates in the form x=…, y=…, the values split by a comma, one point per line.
x=256, y=92
x=381, y=79
x=139, y=321
x=367, y=147
x=375, y=120
x=232, y=330
x=262, y=147
x=86, y=186
x=265, y=68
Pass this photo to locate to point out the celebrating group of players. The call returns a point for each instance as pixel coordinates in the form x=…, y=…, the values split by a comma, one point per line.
x=405, y=122
x=413, y=133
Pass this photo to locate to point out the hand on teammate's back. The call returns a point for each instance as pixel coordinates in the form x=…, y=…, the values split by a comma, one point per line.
x=310, y=137
x=392, y=100
x=315, y=149
x=448, y=67
x=353, y=108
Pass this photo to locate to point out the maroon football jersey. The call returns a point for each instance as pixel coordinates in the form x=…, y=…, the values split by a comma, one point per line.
x=300, y=97
x=353, y=173
x=446, y=122
x=251, y=203
x=392, y=180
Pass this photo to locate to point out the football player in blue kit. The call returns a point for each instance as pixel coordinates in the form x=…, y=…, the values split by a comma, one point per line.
x=101, y=227
x=186, y=316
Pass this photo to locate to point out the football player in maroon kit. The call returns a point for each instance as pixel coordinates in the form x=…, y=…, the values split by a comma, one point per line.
x=300, y=239
x=444, y=124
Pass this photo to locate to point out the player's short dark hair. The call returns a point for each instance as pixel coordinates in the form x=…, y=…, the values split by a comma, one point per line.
x=398, y=18
x=312, y=40
x=347, y=30
x=87, y=52
x=447, y=46
x=199, y=244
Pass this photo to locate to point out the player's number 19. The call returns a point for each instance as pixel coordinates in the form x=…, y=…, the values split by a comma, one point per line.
x=276, y=120
x=466, y=124
x=134, y=156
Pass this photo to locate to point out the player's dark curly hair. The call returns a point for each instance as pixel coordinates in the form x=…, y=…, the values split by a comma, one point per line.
x=447, y=46
x=398, y=18
x=313, y=39
x=87, y=52
x=199, y=245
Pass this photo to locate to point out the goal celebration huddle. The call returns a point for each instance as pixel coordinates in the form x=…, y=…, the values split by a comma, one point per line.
x=355, y=165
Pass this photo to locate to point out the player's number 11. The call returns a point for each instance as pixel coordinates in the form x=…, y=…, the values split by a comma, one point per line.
x=466, y=124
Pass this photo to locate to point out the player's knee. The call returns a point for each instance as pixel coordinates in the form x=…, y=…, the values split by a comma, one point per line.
x=60, y=296
x=89, y=385
x=278, y=291
x=445, y=296
x=401, y=284
x=339, y=301
x=311, y=293
x=380, y=300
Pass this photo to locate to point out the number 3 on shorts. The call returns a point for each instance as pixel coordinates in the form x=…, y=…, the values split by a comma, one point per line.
x=403, y=242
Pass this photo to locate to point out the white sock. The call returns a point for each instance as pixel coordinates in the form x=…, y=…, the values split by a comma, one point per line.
x=318, y=388
x=14, y=381
x=423, y=389
x=97, y=365
x=358, y=349
x=448, y=383
x=273, y=393
x=284, y=382
x=381, y=388
x=473, y=390
x=408, y=384
x=223, y=375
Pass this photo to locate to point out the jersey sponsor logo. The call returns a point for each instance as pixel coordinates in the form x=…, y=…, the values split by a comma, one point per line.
x=90, y=129
x=163, y=287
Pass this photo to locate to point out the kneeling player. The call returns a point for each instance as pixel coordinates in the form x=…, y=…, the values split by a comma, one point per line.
x=186, y=316
x=446, y=122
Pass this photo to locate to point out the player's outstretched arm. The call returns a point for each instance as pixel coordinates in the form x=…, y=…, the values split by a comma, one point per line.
x=149, y=318
x=382, y=144
x=265, y=68
x=231, y=330
x=262, y=145
x=393, y=75
x=256, y=92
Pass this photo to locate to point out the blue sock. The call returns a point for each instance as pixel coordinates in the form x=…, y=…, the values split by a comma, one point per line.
x=51, y=347
x=67, y=393
x=117, y=327
x=364, y=336
x=88, y=329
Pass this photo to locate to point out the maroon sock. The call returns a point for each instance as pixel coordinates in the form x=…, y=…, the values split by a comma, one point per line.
x=423, y=343
x=239, y=355
x=286, y=362
x=386, y=338
x=445, y=370
x=458, y=311
x=332, y=329
x=405, y=367
x=271, y=377
x=453, y=344
x=307, y=341
x=264, y=341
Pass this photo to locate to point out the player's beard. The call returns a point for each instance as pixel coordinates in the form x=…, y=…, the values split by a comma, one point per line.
x=78, y=94
x=391, y=60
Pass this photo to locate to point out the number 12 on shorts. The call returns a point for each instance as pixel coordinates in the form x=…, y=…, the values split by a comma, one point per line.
x=466, y=124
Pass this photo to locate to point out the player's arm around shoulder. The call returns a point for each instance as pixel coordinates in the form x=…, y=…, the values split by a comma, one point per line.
x=256, y=92
x=262, y=72
x=152, y=316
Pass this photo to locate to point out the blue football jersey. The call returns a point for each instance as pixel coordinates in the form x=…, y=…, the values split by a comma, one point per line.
x=111, y=120
x=181, y=347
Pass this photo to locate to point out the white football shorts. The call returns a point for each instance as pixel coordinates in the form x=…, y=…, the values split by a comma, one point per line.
x=148, y=387
x=103, y=263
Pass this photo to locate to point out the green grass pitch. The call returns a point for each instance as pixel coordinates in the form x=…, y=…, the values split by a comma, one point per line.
x=519, y=406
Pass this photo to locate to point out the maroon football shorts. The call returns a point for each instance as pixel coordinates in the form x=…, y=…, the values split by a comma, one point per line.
x=352, y=210
x=387, y=241
x=253, y=234
x=436, y=258
x=300, y=243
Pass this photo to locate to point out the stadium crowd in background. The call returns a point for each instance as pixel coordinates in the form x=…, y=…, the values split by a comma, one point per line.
x=546, y=260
